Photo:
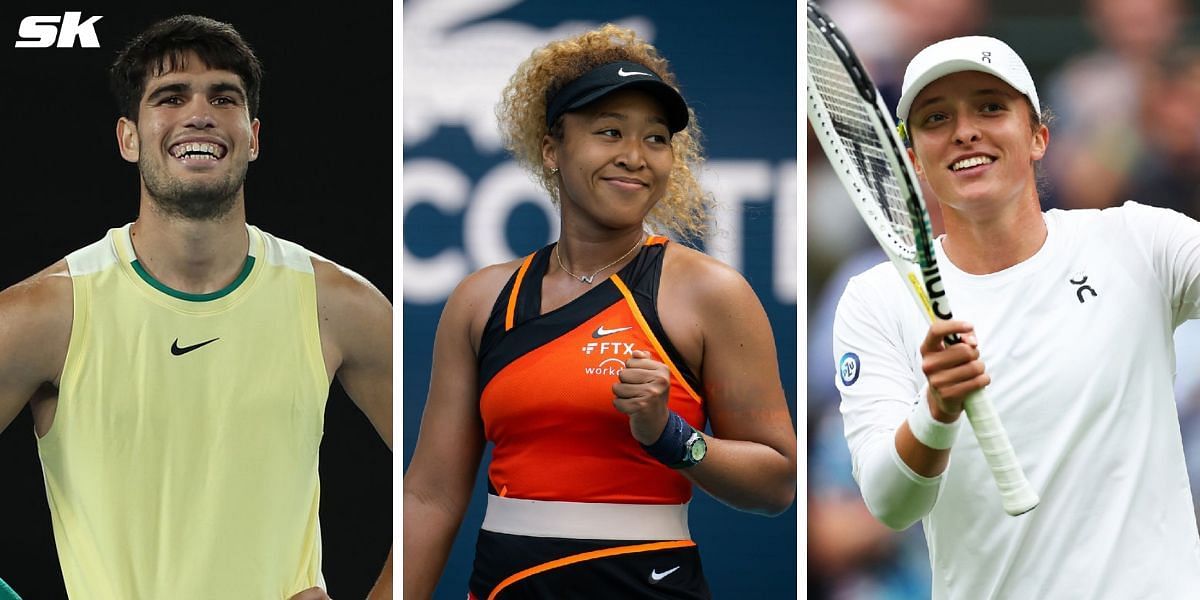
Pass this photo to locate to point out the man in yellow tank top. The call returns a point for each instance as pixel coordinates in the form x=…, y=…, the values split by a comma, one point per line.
x=177, y=369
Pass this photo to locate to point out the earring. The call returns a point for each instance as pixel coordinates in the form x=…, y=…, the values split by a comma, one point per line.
x=554, y=171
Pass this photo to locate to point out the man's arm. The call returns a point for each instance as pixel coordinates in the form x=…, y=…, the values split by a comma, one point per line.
x=35, y=330
x=356, y=323
x=356, y=333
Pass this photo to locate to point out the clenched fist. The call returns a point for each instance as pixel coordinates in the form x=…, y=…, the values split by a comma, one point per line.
x=641, y=392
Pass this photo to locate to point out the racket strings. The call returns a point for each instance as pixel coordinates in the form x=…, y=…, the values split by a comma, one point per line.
x=851, y=120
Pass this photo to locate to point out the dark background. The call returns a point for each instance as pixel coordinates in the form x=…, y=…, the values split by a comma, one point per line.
x=323, y=180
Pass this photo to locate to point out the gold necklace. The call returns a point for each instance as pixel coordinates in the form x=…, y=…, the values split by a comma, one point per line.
x=588, y=278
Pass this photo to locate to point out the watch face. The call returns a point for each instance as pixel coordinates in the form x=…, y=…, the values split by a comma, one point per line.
x=699, y=449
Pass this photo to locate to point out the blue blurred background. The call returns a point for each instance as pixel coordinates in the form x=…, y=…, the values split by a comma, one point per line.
x=467, y=205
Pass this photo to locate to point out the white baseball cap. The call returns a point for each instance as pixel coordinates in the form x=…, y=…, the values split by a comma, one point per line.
x=972, y=53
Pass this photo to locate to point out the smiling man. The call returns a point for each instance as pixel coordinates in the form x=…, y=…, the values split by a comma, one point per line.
x=178, y=368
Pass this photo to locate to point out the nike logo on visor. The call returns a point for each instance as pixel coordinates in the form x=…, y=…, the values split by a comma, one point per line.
x=623, y=73
x=177, y=351
x=601, y=331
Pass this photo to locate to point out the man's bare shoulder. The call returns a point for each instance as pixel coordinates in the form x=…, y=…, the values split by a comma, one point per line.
x=35, y=324
x=348, y=304
x=342, y=285
x=355, y=317
x=45, y=294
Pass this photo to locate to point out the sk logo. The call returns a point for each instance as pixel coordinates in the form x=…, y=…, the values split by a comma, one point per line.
x=1080, y=279
x=41, y=31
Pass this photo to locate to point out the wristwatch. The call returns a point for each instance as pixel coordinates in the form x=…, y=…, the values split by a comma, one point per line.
x=695, y=449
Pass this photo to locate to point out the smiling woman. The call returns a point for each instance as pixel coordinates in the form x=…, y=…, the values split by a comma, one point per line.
x=558, y=70
x=1080, y=375
x=596, y=363
x=613, y=159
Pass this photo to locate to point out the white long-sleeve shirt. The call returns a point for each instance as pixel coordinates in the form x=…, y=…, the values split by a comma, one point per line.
x=1078, y=342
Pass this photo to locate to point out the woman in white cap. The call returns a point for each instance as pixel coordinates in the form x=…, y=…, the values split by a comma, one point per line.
x=594, y=364
x=1074, y=312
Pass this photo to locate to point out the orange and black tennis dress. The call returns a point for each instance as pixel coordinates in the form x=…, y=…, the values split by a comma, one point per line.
x=576, y=507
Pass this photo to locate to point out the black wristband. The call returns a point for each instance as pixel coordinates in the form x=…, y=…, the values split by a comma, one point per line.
x=672, y=443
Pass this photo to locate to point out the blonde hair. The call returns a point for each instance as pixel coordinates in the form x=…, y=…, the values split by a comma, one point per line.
x=522, y=117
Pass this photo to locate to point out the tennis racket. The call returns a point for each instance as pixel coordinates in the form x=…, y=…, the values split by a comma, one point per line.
x=861, y=141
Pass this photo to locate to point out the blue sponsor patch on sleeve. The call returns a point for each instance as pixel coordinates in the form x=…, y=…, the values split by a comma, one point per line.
x=848, y=368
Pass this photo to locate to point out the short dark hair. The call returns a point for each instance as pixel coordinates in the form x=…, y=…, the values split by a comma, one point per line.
x=164, y=47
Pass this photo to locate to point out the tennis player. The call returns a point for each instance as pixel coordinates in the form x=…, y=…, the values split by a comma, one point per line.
x=594, y=364
x=178, y=368
x=1070, y=326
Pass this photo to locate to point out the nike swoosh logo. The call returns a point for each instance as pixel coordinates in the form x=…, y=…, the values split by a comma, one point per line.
x=177, y=351
x=656, y=577
x=601, y=331
x=623, y=73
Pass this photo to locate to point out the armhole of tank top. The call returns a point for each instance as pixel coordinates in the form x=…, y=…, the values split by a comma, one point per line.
x=673, y=352
x=76, y=346
x=310, y=306
x=658, y=340
x=514, y=295
x=645, y=277
x=504, y=306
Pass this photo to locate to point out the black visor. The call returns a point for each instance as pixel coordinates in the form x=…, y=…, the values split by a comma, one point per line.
x=610, y=77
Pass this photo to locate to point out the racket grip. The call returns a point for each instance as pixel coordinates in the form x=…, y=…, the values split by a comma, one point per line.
x=1017, y=495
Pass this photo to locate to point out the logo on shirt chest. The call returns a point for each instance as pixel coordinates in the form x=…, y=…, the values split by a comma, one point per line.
x=611, y=356
x=602, y=348
x=177, y=350
x=1082, y=289
x=602, y=332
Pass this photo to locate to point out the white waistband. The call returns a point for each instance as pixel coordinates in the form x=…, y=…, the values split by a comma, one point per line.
x=586, y=520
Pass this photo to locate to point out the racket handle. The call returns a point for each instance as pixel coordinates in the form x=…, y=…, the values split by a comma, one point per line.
x=1017, y=495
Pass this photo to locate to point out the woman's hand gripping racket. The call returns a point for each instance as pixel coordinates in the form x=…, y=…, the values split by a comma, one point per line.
x=860, y=139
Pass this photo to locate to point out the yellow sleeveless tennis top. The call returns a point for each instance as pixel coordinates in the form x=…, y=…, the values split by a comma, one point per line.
x=182, y=460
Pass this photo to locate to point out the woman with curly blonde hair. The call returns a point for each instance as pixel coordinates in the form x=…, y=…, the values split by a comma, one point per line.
x=595, y=364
